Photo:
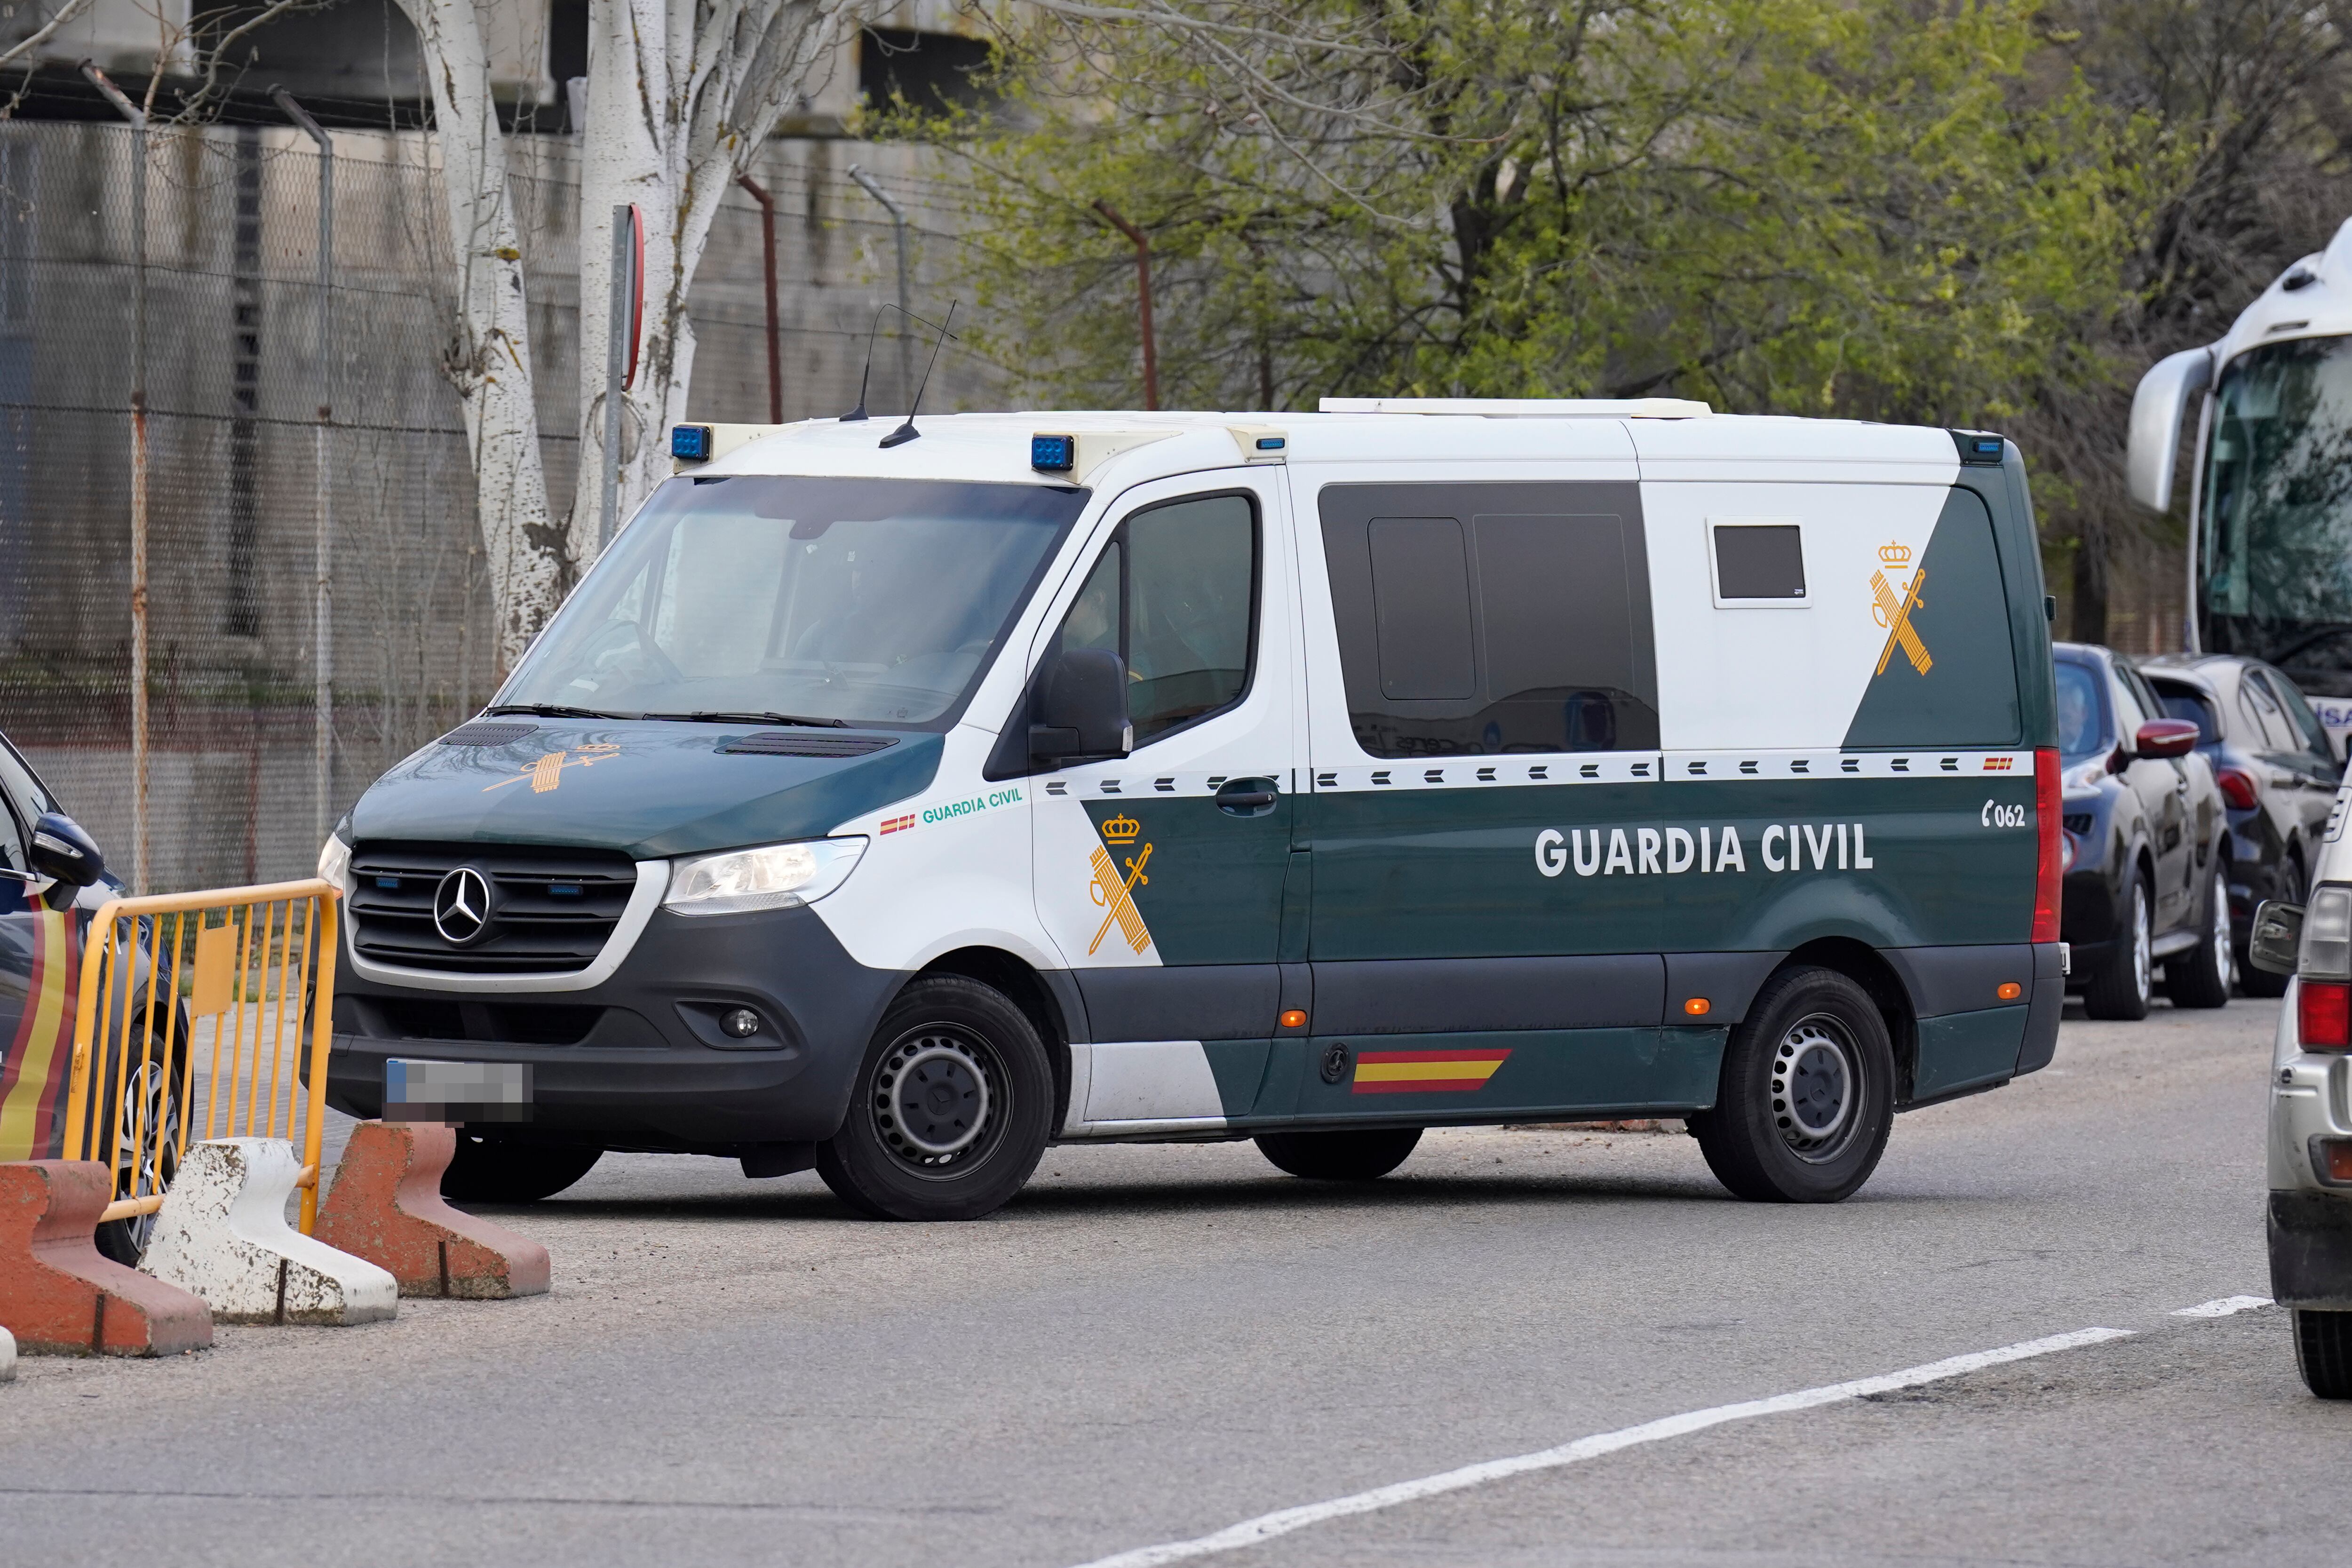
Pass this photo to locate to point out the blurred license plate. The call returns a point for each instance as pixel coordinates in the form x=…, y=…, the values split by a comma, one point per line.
x=456, y=1092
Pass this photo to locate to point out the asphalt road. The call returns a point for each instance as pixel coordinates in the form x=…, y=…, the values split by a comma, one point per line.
x=1155, y=1343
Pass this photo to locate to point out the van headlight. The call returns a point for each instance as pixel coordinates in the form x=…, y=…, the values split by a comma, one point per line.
x=335, y=862
x=772, y=877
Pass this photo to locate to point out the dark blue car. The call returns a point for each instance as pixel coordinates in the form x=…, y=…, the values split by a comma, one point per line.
x=2146, y=845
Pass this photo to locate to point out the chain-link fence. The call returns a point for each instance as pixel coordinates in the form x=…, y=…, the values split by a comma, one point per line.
x=233, y=453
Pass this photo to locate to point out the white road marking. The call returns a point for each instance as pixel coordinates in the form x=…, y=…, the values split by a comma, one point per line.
x=2223, y=1307
x=1267, y=1526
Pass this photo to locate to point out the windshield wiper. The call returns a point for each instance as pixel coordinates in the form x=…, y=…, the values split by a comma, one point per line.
x=709, y=716
x=552, y=710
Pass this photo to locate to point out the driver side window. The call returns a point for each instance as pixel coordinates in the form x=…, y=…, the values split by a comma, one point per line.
x=1174, y=595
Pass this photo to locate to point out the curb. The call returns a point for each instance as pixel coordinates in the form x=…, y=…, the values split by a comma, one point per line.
x=58, y=1295
x=386, y=1206
x=222, y=1233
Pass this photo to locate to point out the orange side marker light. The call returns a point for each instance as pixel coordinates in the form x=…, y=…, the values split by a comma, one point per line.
x=1696, y=1006
x=2010, y=991
x=1293, y=1019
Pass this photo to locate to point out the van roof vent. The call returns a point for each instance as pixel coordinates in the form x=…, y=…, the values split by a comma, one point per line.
x=792, y=744
x=486, y=734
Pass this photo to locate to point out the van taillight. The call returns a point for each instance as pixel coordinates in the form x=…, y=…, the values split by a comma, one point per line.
x=2323, y=1014
x=2048, y=832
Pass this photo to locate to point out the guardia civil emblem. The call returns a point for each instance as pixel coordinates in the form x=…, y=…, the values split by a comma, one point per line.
x=1893, y=610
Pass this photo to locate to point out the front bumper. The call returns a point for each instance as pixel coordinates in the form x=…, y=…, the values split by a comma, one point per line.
x=638, y=1061
x=2310, y=1223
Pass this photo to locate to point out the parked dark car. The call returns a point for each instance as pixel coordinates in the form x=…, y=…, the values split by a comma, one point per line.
x=2146, y=845
x=52, y=880
x=2278, y=773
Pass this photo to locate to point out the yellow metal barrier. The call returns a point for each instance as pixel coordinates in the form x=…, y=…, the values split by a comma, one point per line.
x=213, y=1008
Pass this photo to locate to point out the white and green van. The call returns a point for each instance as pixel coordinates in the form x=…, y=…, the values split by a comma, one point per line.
x=903, y=809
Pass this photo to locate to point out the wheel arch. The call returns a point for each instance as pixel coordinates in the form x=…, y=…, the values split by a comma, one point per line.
x=1023, y=984
x=1868, y=968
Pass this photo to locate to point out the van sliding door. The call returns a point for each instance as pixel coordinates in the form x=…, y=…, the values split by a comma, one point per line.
x=1486, y=863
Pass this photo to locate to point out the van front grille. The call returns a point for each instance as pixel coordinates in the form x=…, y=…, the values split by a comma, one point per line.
x=552, y=910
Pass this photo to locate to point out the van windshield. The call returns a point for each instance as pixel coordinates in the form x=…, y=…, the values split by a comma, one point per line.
x=857, y=601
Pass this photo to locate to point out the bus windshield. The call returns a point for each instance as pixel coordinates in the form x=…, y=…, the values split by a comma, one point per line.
x=850, y=601
x=2274, y=574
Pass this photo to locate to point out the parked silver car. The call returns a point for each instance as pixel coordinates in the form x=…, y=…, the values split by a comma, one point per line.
x=2311, y=1115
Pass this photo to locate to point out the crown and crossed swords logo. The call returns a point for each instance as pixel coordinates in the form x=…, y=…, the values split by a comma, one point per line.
x=1894, y=612
x=1115, y=895
x=547, y=773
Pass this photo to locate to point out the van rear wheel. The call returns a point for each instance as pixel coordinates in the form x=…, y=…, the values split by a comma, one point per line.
x=1807, y=1096
x=2323, y=1352
x=952, y=1107
x=1346, y=1155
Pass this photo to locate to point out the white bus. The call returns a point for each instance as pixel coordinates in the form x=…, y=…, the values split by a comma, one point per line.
x=2270, y=533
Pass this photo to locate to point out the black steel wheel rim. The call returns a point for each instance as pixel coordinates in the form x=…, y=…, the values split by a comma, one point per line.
x=1817, y=1087
x=939, y=1100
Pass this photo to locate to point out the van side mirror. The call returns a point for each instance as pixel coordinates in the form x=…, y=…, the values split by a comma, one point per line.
x=1081, y=713
x=2165, y=738
x=62, y=851
x=2276, y=938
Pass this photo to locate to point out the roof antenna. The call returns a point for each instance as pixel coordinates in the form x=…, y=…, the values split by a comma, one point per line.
x=858, y=413
x=906, y=432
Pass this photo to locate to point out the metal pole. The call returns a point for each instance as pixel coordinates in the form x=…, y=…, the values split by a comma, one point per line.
x=898, y=227
x=616, y=370
x=768, y=255
x=139, y=768
x=322, y=629
x=1143, y=294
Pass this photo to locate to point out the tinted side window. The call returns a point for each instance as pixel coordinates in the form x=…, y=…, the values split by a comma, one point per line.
x=2306, y=722
x=1421, y=608
x=2181, y=702
x=1478, y=620
x=2082, y=720
x=2277, y=731
x=1174, y=593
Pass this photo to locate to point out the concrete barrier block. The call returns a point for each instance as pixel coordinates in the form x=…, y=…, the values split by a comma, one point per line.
x=386, y=1206
x=222, y=1233
x=57, y=1295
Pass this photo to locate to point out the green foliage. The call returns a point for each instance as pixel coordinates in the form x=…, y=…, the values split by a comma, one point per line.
x=1867, y=208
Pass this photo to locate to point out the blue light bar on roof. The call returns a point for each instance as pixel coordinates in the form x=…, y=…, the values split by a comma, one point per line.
x=1053, y=454
x=690, y=443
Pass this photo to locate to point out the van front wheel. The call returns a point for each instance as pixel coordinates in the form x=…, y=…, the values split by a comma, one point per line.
x=953, y=1105
x=1807, y=1095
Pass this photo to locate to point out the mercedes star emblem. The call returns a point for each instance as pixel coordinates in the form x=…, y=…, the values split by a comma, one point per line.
x=461, y=905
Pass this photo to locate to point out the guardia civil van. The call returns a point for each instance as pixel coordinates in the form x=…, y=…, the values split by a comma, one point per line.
x=902, y=808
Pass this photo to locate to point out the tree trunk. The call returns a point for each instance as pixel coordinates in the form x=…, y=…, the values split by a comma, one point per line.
x=674, y=115
x=2089, y=598
x=488, y=358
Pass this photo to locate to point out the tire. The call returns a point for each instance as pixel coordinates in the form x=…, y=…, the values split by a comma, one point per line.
x=2123, y=987
x=1818, y=1033
x=2201, y=976
x=2322, y=1351
x=2261, y=981
x=1340, y=1156
x=152, y=1093
x=491, y=1171
x=977, y=1130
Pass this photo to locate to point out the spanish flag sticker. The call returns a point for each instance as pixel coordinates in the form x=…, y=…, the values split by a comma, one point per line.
x=1426, y=1072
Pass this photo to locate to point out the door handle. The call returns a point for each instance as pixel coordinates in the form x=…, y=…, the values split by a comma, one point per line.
x=1246, y=797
